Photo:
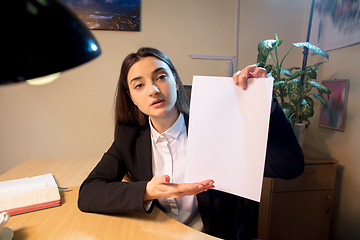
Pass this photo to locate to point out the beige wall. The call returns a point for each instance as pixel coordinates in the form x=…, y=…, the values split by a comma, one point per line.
x=72, y=117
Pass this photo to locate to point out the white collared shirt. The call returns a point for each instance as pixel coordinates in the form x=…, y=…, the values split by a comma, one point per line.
x=168, y=158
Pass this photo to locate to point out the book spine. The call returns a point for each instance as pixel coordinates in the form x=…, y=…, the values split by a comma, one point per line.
x=31, y=208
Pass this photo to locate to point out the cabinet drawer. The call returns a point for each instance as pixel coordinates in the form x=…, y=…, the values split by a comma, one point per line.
x=319, y=176
x=301, y=215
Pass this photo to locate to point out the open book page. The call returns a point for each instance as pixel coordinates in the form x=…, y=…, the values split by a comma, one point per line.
x=29, y=194
x=227, y=136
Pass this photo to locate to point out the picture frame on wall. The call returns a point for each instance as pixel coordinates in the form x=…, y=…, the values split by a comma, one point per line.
x=334, y=24
x=107, y=15
x=334, y=116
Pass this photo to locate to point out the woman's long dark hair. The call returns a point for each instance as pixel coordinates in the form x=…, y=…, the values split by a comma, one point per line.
x=126, y=112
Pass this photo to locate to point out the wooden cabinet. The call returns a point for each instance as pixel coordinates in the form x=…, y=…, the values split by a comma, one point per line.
x=299, y=208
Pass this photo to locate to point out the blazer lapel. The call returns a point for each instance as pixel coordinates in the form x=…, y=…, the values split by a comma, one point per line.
x=186, y=118
x=144, y=154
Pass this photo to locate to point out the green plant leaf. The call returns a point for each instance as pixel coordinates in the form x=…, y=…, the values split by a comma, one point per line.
x=279, y=42
x=264, y=48
x=278, y=83
x=311, y=68
x=306, y=110
x=309, y=101
x=319, y=63
x=321, y=88
x=297, y=74
x=288, y=109
x=294, y=68
x=276, y=93
x=285, y=94
x=292, y=119
x=294, y=89
x=312, y=74
x=287, y=112
x=286, y=72
x=321, y=99
x=312, y=48
x=307, y=88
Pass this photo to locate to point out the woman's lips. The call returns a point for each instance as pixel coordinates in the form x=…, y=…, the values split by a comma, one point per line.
x=157, y=103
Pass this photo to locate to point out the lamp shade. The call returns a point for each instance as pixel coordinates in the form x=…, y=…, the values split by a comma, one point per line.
x=41, y=37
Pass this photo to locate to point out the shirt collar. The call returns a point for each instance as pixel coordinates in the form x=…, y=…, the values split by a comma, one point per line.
x=172, y=133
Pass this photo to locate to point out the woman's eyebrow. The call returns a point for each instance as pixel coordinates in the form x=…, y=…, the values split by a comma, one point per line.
x=134, y=79
x=160, y=69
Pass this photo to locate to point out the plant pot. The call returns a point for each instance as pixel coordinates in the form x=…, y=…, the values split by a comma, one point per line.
x=299, y=129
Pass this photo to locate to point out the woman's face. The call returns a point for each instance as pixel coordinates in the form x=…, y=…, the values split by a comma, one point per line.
x=153, y=88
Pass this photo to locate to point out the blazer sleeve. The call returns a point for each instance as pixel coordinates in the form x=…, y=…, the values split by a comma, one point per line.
x=284, y=157
x=103, y=190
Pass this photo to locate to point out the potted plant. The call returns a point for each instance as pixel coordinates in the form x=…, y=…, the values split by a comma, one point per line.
x=293, y=86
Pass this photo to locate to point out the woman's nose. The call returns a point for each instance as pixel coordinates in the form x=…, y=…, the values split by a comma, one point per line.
x=154, y=90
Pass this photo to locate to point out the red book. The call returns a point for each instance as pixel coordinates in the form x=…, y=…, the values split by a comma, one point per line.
x=29, y=194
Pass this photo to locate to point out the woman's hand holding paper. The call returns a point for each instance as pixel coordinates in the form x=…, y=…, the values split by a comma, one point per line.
x=240, y=77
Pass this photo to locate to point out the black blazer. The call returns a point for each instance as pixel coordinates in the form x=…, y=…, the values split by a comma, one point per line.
x=103, y=190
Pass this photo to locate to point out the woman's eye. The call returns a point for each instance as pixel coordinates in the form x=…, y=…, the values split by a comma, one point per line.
x=163, y=76
x=139, y=85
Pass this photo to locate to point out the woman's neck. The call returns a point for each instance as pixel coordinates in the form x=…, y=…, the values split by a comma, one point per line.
x=161, y=124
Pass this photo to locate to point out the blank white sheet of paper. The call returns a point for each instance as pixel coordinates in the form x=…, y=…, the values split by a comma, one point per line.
x=227, y=135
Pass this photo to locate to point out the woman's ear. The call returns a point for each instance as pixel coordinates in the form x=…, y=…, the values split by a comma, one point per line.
x=177, y=84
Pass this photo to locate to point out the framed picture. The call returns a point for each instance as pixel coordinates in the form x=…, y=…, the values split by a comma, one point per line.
x=107, y=14
x=335, y=24
x=334, y=115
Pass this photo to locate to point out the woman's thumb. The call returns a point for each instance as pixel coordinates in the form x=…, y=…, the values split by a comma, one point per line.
x=166, y=178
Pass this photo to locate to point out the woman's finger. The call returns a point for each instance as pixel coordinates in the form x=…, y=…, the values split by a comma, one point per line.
x=235, y=77
x=240, y=77
x=252, y=71
x=187, y=189
x=159, y=187
x=259, y=73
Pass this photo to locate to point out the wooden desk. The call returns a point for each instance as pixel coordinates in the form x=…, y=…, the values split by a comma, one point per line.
x=68, y=222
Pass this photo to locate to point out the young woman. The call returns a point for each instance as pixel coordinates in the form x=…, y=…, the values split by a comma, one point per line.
x=151, y=118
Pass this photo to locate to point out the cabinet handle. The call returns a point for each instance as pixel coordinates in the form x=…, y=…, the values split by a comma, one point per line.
x=329, y=204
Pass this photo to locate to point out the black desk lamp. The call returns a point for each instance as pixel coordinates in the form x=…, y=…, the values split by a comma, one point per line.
x=41, y=37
